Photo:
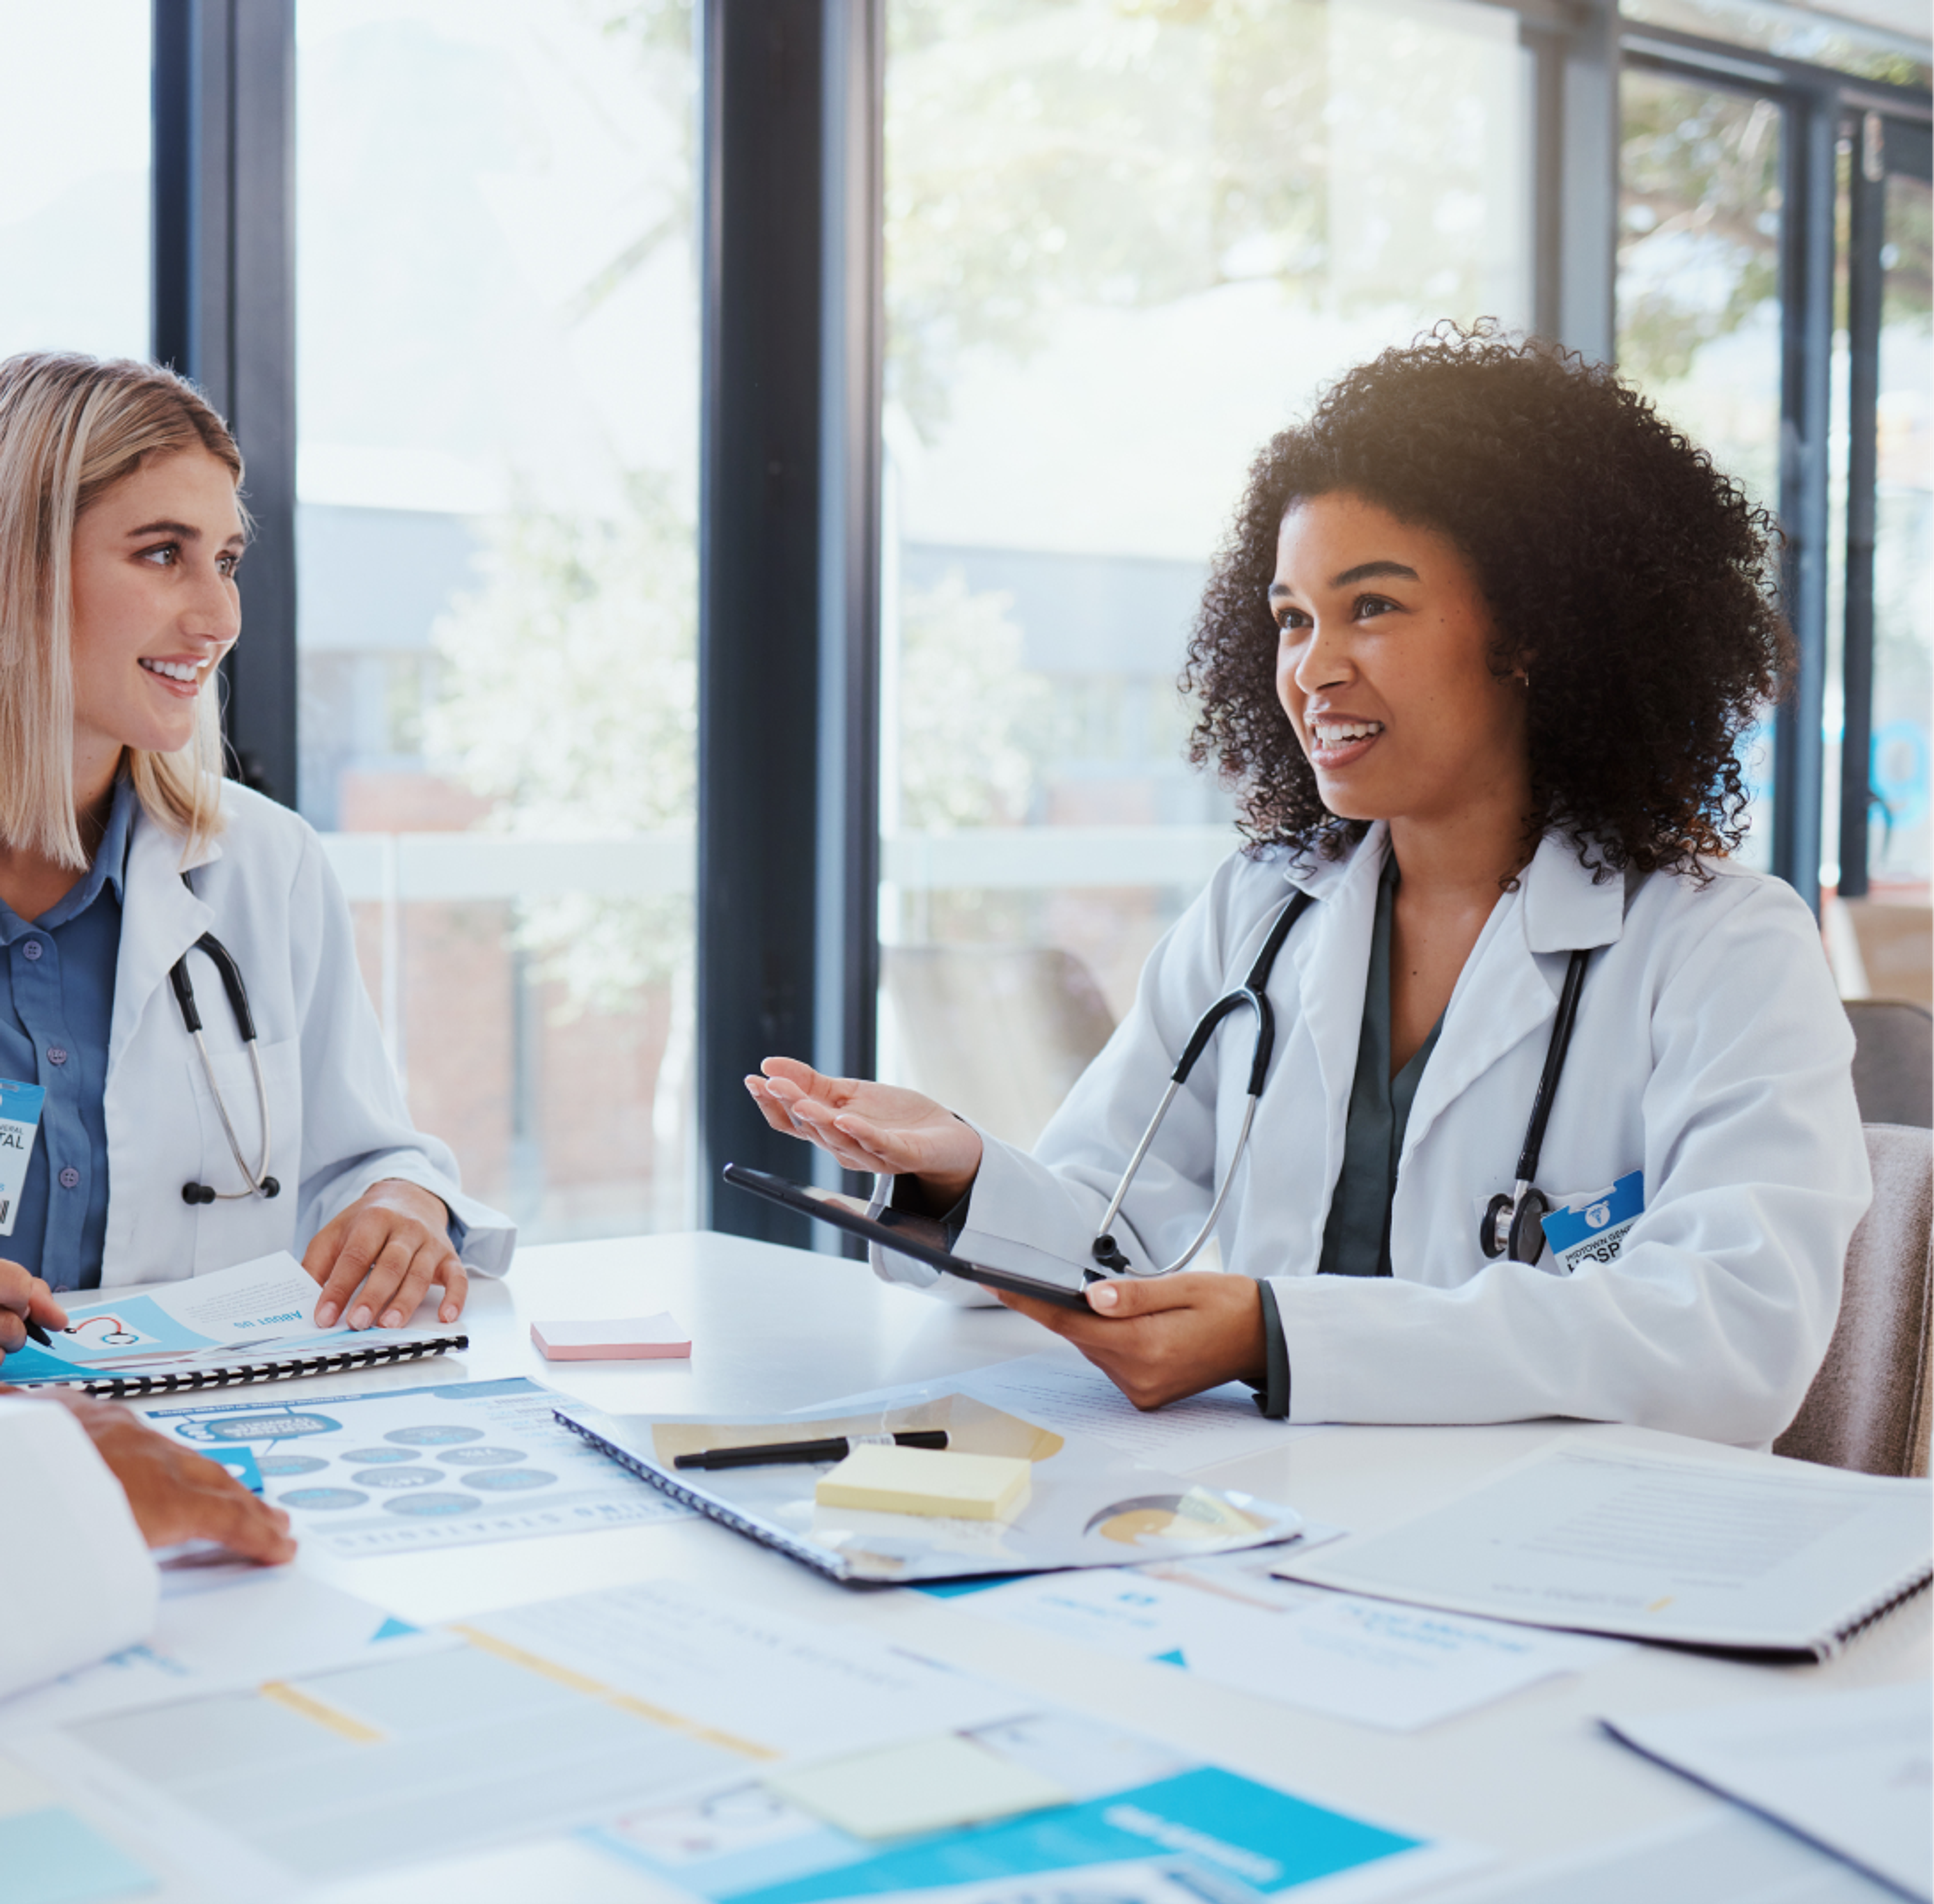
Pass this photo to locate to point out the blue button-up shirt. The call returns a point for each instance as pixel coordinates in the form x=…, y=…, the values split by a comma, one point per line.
x=56, y=1005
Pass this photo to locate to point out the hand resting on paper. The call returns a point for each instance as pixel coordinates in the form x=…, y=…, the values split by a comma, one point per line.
x=872, y=1127
x=385, y=1252
x=23, y=1296
x=176, y=1495
x=1161, y=1339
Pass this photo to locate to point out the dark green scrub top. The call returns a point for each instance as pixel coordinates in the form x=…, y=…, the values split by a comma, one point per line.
x=1355, y=1239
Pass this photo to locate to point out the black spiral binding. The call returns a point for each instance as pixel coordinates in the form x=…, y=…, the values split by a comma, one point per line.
x=1908, y=1589
x=120, y=1388
x=709, y=1505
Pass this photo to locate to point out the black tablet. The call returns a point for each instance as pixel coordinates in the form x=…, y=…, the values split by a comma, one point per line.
x=920, y=1237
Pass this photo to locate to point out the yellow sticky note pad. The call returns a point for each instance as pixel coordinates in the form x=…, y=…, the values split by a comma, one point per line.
x=926, y=1786
x=931, y=1480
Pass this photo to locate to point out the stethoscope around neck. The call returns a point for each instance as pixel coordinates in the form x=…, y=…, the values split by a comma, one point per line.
x=1514, y=1221
x=261, y=1183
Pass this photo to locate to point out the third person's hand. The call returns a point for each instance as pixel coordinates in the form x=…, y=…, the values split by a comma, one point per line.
x=24, y=1298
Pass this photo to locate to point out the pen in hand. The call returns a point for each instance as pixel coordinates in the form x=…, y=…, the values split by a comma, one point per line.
x=834, y=1447
x=37, y=1334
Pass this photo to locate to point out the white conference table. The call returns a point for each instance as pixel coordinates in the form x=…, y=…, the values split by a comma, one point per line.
x=1528, y=1777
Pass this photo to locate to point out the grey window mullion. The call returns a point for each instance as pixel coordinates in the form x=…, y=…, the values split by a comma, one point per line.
x=788, y=560
x=1866, y=220
x=224, y=314
x=1807, y=191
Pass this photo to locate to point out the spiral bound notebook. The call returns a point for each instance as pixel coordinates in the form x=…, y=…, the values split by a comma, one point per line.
x=246, y=1324
x=1770, y=1560
x=1090, y=1504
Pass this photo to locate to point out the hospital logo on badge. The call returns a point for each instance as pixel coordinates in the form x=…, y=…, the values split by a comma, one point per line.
x=1592, y=1229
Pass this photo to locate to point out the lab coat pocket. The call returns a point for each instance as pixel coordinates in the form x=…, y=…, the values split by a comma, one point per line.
x=234, y=1229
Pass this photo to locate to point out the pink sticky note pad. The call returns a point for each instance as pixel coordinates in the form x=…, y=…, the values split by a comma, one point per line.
x=628, y=1338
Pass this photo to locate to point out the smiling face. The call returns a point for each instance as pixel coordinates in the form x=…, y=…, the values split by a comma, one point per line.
x=1383, y=666
x=155, y=606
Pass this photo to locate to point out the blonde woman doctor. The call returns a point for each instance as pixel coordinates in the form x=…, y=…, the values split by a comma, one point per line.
x=126, y=858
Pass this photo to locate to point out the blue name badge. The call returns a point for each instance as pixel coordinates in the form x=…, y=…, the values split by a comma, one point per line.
x=19, y=1123
x=1593, y=1230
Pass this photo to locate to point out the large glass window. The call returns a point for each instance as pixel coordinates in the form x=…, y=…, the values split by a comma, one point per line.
x=1698, y=293
x=74, y=155
x=1899, y=850
x=1125, y=243
x=497, y=393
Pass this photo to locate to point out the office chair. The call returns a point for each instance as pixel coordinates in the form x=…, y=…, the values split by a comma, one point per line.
x=1893, y=1061
x=1868, y=1407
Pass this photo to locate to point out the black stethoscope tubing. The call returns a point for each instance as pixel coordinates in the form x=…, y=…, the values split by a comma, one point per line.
x=1513, y=1223
x=261, y=1183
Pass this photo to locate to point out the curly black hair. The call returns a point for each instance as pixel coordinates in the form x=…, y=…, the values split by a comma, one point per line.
x=1641, y=579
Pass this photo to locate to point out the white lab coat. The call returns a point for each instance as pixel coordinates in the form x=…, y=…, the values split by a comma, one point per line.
x=1710, y=1051
x=338, y=1123
x=76, y=1580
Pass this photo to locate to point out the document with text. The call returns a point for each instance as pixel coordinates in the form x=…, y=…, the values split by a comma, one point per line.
x=1773, y=1558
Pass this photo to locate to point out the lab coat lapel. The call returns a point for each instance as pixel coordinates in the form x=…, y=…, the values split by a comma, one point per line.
x=1332, y=962
x=159, y=920
x=1504, y=994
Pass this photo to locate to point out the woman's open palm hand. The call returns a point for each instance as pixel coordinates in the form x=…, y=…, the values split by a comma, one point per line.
x=871, y=1127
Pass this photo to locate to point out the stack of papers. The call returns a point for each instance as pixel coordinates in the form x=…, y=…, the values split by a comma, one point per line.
x=732, y=1751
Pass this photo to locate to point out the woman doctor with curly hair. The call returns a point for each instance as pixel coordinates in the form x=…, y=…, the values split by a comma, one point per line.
x=1477, y=659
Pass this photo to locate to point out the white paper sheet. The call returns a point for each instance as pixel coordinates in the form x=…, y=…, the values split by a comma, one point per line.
x=1852, y=1771
x=779, y=1684
x=1773, y=1557
x=392, y=1471
x=1721, y=1856
x=222, y=1626
x=1375, y=1662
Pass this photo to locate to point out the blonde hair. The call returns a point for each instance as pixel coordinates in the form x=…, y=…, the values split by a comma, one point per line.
x=70, y=428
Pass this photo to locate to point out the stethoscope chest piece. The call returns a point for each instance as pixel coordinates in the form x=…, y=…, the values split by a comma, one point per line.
x=1514, y=1225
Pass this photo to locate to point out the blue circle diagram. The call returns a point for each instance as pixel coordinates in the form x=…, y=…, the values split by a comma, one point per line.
x=257, y=1428
x=482, y=1457
x=429, y=1507
x=321, y=1498
x=398, y=1477
x=371, y=1457
x=508, y=1480
x=433, y=1435
x=278, y=1467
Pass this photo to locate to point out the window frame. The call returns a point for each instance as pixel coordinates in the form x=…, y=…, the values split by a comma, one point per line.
x=792, y=105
